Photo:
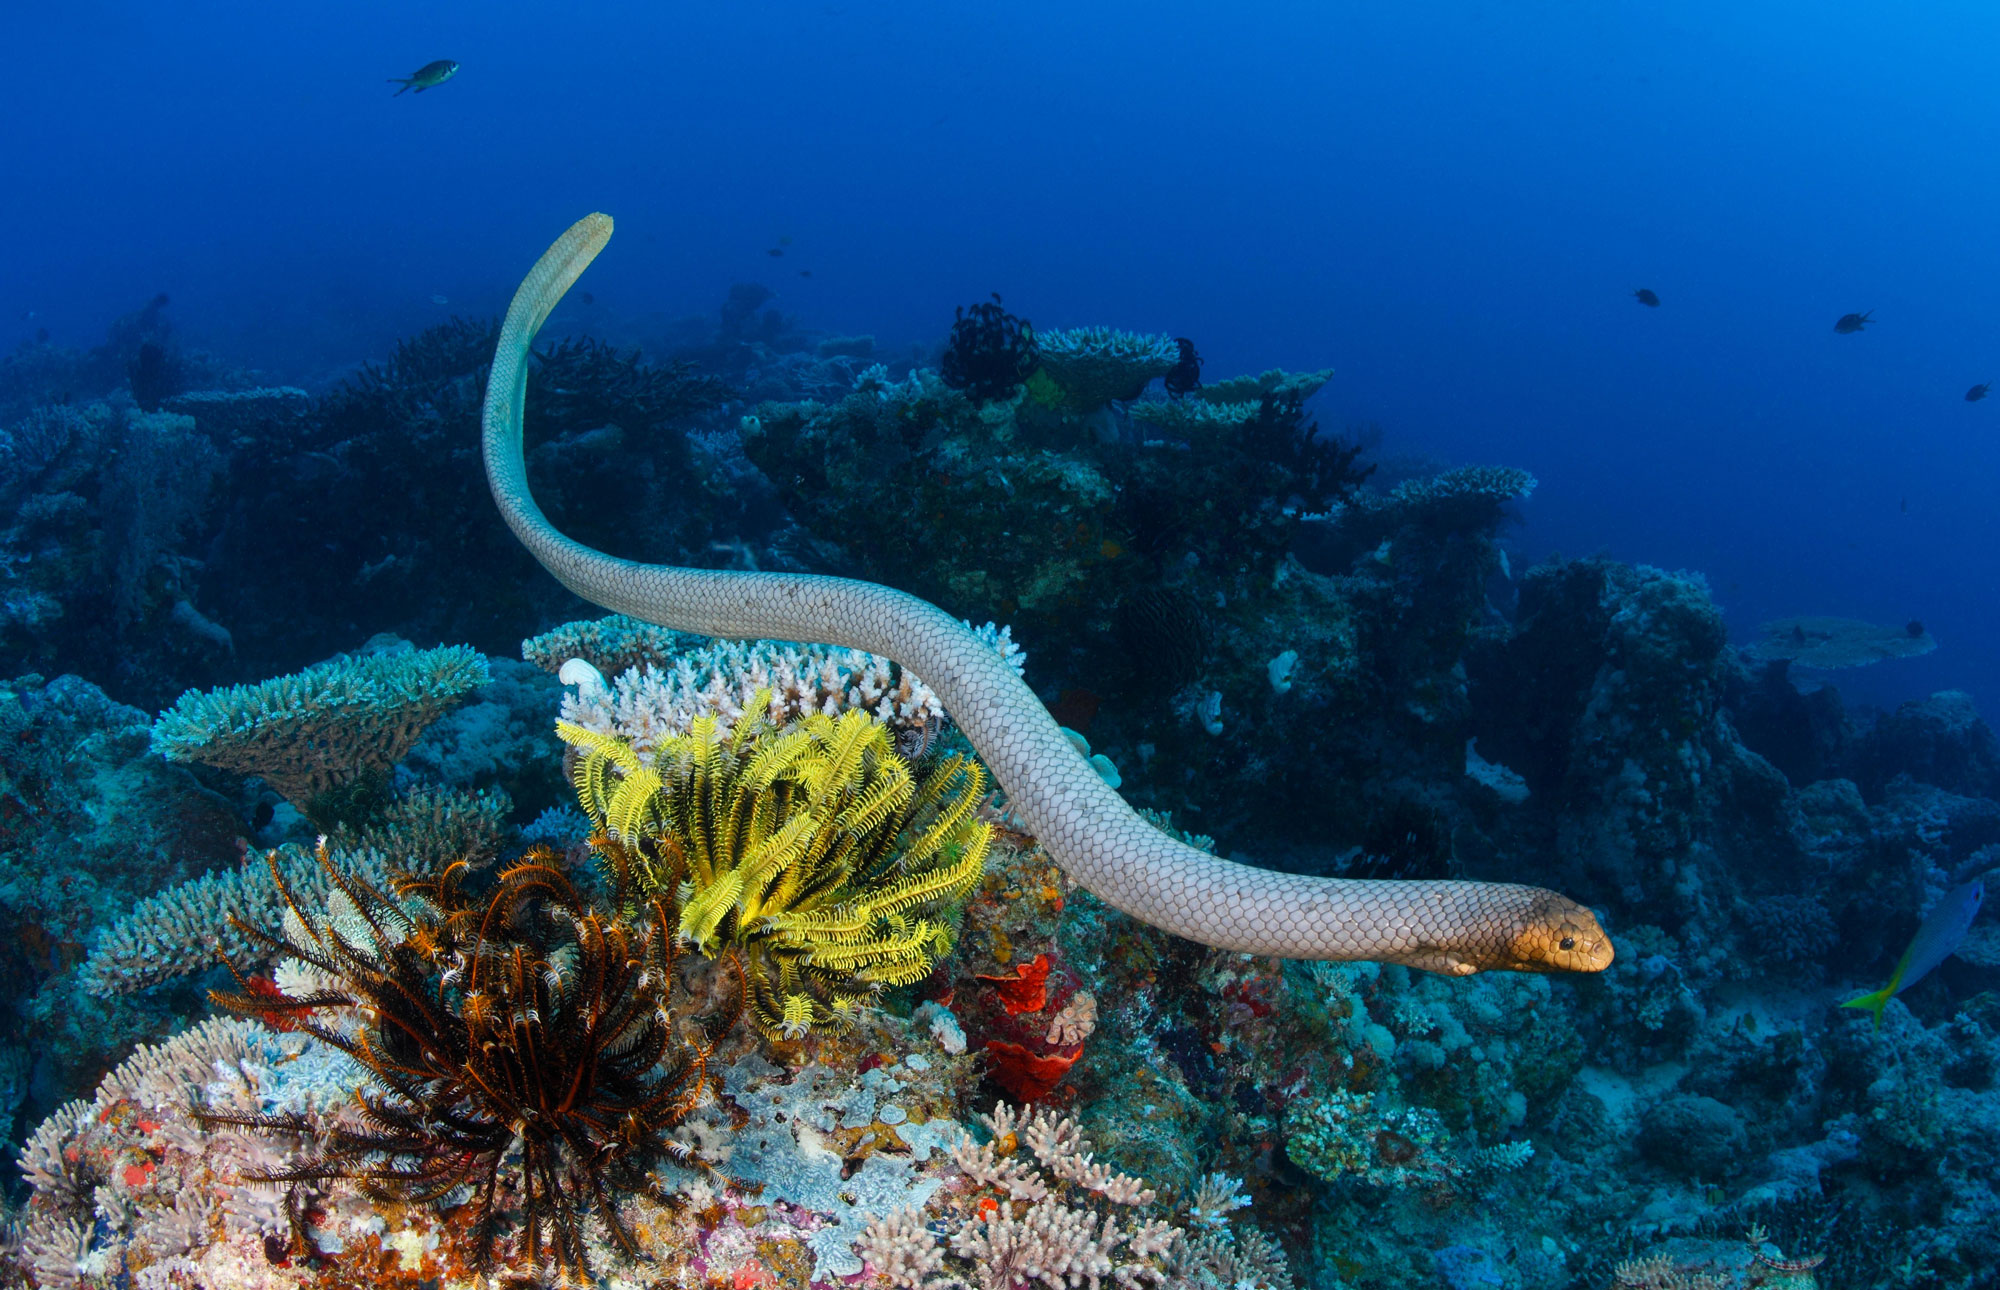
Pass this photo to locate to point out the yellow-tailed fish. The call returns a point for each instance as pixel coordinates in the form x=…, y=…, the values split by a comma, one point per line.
x=1936, y=940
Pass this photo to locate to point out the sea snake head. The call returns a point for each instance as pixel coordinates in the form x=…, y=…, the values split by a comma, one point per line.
x=1555, y=934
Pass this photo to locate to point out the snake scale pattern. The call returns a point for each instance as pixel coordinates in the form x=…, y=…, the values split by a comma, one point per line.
x=1445, y=926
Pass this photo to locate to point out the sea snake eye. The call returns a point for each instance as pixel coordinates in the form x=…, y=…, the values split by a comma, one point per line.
x=1569, y=942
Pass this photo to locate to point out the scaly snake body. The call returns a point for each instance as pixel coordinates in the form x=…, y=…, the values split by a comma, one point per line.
x=1441, y=926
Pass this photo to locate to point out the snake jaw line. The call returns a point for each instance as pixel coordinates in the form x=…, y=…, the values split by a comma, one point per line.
x=1453, y=927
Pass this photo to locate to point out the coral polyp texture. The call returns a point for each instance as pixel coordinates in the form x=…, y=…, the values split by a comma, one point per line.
x=1093, y=366
x=814, y=850
x=315, y=733
x=182, y=930
x=1032, y=1206
x=668, y=679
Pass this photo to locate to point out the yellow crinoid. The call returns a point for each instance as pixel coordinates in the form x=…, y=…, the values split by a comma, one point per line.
x=813, y=849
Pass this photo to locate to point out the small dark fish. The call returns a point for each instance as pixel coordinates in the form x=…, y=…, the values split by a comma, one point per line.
x=1914, y=629
x=805, y=273
x=427, y=76
x=587, y=298
x=1977, y=392
x=1645, y=296
x=1851, y=323
x=776, y=252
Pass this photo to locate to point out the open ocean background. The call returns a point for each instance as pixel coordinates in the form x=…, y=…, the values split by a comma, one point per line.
x=1450, y=203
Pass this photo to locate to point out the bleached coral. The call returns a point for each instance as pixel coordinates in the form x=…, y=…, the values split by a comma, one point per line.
x=1076, y=1021
x=785, y=1144
x=1215, y=1199
x=646, y=705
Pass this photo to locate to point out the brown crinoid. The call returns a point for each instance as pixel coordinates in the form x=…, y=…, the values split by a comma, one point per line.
x=525, y=1054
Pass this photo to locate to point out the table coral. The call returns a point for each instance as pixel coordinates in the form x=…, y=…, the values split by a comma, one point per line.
x=332, y=728
x=1094, y=366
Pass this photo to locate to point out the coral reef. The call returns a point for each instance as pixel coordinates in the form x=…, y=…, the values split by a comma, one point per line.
x=325, y=737
x=1832, y=643
x=1316, y=667
x=670, y=681
x=522, y=1037
x=989, y=353
x=1093, y=366
x=813, y=850
x=1063, y=1221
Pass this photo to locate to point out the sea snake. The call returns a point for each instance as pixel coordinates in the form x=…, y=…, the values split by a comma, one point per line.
x=1441, y=926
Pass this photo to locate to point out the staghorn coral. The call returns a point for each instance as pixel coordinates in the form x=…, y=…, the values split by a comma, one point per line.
x=813, y=848
x=329, y=732
x=1093, y=366
x=525, y=1053
x=1062, y=1221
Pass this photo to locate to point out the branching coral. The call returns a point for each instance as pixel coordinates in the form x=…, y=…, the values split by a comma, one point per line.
x=320, y=735
x=1277, y=382
x=1094, y=366
x=611, y=644
x=183, y=929
x=814, y=848
x=126, y=1182
x=1063, y=1221
x=524, y=1050
x=586, y=382
x=668, y=685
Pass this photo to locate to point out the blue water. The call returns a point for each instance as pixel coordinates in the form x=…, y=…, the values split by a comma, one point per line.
x=1450, y=203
